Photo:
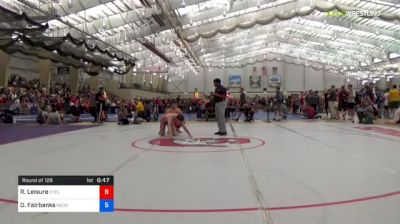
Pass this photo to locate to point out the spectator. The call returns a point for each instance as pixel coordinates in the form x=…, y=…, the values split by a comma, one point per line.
x=366, y=112
x=93, y=104
x=54, y=117
x=394, y=100
x=314, y=100
x=139, y=108
x=386, y=104
x=332, y=102
x=101, y=109
x=380, y=102
x=123, y=114
x=42, y=116
x=351, y=99
x=310, y=112
x=279, y=99
x=343, y=99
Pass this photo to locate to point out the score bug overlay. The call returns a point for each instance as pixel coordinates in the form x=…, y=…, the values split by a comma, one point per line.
x=65, y=194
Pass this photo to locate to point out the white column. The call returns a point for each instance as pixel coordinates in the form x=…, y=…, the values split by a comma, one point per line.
x=45, y=72
x=4, y=68
x=94, y=82
x=74, y=79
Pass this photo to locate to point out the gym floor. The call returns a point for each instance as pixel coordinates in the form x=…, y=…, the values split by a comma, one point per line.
x=283, y=173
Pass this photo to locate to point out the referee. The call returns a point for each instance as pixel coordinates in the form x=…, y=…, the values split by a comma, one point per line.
x=220, y=106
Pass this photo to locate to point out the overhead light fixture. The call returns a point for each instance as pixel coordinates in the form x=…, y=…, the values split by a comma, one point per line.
x=14, y=36
x=103, y=22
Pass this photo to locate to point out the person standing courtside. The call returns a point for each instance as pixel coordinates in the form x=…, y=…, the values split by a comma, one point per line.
x=220, y=106
x=332, y=102
x=394, y=100
x=242, y=103
x=101, y=98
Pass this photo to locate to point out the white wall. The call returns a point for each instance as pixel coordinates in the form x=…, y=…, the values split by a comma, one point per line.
x=27, y=68
x=314, y=79
x=294, y=78
x=128, y=94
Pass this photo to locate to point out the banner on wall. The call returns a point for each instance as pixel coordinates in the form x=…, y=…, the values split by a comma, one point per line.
x=235, y=81
x=196, y=94
x=274, y=80
x=255, y=81
x=64, y=70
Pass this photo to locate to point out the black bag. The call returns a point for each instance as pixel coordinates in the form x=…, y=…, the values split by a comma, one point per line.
x=376, y=112
x=8, y=119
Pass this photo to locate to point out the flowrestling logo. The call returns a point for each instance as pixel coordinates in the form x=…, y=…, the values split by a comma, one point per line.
x=198, y=145
x=360, y=13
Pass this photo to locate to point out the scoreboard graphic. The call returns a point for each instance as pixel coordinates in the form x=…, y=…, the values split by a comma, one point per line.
x=66, y=194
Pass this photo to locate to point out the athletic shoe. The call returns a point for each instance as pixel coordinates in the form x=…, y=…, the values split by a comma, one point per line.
x=223, y=133
x=217, y=133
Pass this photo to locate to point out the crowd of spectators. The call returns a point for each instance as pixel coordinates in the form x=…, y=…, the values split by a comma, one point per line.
x=345, y=103
x=23, y=97
x=369, y=103
x=51, y=105
x=29, y=97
